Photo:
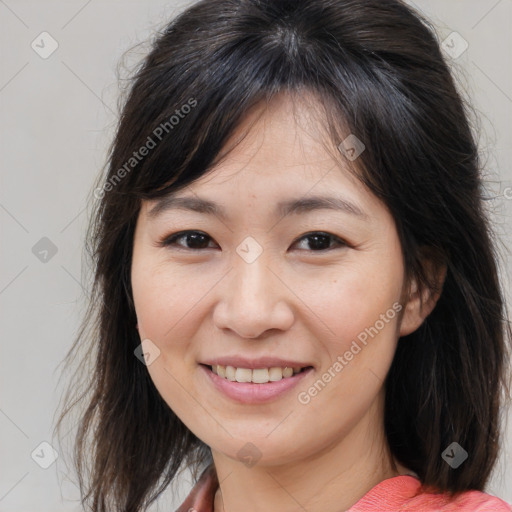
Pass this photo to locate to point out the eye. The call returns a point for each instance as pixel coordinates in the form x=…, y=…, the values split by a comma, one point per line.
x=196, y=240
x=321, y=241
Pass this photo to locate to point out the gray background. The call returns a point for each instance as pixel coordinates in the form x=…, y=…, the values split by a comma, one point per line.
x=57, y=119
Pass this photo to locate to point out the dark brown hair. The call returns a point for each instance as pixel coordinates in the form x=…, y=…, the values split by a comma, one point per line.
x=378, y=72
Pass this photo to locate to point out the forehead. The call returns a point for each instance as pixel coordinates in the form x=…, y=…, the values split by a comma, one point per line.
x=280, y=146
x=279, y=154
x=287, y=132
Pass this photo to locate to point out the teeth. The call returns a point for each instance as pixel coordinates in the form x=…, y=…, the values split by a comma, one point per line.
x=287, y=372
x=275, y=373
x=258, y=375
x=243, y=375
x=230, y=372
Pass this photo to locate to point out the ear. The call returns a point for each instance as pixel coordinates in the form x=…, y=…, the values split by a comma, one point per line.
x=419, y=304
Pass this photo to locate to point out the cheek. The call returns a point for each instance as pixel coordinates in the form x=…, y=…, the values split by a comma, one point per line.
x=167, y=304
x=359, y=303
x=355, y=321
x=166, y=299
x=357, y=294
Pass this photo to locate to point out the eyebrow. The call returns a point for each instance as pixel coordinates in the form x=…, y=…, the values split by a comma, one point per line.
x=283, y=208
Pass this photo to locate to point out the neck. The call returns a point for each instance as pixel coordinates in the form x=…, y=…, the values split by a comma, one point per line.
x=329, y=480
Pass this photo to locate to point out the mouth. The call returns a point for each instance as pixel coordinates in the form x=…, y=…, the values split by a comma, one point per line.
x=256, y=375
x=254, y=386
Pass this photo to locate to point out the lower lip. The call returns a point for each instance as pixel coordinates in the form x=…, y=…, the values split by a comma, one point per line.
x=251, y=393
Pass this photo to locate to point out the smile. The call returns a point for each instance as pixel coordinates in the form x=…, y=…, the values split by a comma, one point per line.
x=257, y=375
x=247, y=391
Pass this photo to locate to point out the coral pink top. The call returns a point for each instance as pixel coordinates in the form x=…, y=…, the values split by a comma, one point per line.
x=391, y=495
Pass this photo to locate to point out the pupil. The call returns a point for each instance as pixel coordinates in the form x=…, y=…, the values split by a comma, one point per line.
x=319, y=245
x=195, y=240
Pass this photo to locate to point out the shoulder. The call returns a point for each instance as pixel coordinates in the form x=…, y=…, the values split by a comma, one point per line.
x=400, y=494
x=468, y=501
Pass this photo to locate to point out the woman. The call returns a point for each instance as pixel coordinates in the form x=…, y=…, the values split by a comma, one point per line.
x=296, y=287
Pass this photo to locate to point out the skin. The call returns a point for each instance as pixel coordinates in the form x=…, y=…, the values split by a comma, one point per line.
x=195, y=304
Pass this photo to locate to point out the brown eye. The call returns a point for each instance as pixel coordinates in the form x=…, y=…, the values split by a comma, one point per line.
x=193, y=240
x=197, y=240
x=320, y=241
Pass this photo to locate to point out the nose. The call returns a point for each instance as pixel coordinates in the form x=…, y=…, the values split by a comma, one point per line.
x=253, y=300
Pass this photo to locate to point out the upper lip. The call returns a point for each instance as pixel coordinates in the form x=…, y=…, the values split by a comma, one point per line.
x=259, y=362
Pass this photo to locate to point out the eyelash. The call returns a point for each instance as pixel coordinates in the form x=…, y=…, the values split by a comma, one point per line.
x=170, y=241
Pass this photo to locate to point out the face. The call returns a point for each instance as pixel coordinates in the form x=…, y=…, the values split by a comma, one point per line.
x=315, y=286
